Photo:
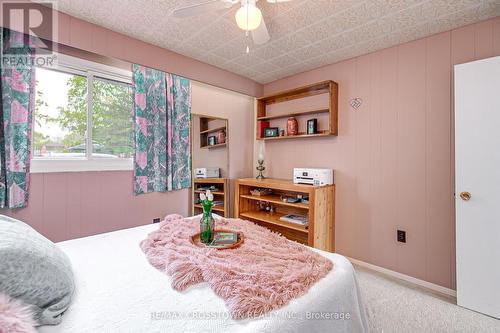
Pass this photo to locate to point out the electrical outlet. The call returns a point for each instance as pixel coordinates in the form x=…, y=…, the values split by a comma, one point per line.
x=402, y=236
x=157, y=220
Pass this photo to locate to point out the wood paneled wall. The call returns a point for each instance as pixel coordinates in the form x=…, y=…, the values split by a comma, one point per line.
x=76, y=204
x=393, y=158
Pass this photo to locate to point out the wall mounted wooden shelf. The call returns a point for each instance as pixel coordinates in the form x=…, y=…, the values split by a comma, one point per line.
x=220, y=145
x=324, y=87
x=213, y=130
x=298, y=136
x=300, y=92
x=294, y=114
x=206, y=131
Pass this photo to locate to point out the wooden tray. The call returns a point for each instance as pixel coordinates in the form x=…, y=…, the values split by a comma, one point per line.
x=195, y=239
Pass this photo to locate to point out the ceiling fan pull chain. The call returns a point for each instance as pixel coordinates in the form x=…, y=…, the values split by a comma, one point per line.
x=247, y=33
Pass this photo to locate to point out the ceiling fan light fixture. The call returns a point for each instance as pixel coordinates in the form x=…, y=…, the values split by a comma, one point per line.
x=248, y=17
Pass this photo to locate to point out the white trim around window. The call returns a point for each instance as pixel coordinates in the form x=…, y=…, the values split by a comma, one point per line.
x=48, y=165
x=79, y=66
x=91, y=70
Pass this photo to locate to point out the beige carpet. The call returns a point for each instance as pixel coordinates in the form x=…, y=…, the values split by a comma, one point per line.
x=396, y=306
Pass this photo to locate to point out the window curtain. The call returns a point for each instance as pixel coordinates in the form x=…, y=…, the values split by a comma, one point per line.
x=17, y=102
x=162, y=117
x=179, y=132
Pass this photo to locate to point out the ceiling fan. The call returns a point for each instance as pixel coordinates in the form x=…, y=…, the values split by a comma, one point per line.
x=248, y=17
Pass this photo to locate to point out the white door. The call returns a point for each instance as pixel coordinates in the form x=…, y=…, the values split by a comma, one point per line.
x=477, y=165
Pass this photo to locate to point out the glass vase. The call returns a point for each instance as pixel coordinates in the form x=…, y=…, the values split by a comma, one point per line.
x=207, y=228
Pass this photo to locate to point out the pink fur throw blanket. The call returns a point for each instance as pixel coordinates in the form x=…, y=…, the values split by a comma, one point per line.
x=261, y=275
x=15, y=317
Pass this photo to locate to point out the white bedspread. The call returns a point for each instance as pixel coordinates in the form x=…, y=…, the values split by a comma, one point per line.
x=117, y=290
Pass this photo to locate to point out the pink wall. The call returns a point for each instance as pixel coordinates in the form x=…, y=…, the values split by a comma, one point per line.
x=89, y=37
x=66, y=205
x=238, y=110
x=76, y=204
x=393, y=158
x=202, y=157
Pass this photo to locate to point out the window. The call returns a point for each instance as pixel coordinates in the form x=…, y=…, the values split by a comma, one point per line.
x=60, y=115
x=83, y=118
x=112, y=119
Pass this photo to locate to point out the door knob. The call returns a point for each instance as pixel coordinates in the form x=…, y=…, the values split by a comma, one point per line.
x=465, y=196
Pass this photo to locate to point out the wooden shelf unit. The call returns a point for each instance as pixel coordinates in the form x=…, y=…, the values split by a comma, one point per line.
x=221, y=194
x=273, y=219
x=320, y=233
x=324, y=87
x=206, y=130
x=216, y=192
x=213, y=130
x=219, y=145
x=298, y=136
x=293, y=114
x=214, y=208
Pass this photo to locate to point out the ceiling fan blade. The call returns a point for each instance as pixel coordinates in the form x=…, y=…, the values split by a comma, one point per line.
x=200, y=8
x=261, y=35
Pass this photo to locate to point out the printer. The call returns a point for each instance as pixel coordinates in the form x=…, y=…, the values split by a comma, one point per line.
x=313, y=176
x=207, y=173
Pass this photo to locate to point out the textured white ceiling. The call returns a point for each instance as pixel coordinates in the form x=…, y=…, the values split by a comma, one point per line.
x=305, y=34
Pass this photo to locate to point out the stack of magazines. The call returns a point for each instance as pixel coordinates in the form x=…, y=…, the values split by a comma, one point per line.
x=297, y=219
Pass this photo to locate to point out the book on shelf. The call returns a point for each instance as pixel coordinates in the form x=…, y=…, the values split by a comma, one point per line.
x=262, y=125
x=297, y=219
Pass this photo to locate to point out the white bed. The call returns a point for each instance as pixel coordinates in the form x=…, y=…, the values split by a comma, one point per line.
x=117, y=290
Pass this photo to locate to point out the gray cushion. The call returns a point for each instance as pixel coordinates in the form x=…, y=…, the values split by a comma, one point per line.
x=34, y=270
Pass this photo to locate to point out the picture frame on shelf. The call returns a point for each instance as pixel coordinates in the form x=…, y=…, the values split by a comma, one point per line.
x=271, y=132
x=211, y=140
x=312, y=126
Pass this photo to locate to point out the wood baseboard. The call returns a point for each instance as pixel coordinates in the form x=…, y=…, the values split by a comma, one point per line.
x=418, y=282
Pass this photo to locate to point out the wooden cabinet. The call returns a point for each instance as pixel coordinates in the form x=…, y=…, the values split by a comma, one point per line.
x=220, y=195
x=320, y=233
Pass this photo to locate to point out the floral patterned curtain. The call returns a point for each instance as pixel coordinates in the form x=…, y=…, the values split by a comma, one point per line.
x=179, y=132
x=162, y=114
x=17, y=102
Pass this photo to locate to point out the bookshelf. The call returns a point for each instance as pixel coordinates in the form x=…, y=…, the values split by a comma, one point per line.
x=331, y=112
x=320, y=233
x=220, y=194
x=210, y=126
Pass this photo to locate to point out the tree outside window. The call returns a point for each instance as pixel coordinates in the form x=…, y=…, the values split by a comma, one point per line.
x=62, y=110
